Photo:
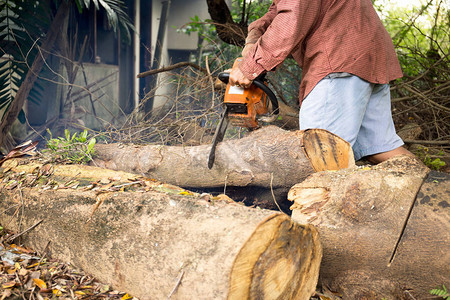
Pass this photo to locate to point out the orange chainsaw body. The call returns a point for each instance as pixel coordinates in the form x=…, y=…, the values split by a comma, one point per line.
x=245, y=104
x=244, y=107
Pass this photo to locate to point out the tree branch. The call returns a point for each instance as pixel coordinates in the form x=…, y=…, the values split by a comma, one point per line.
x=24, y=90
x=440, y=143
x=228, y=31
x=172, y=67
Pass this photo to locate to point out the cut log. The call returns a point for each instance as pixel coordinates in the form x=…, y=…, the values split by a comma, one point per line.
x=158, y=240
x=268, y=157
x=384, y=230
x=279, y=261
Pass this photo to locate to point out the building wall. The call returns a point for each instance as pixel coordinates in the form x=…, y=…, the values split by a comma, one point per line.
x=106, y=100
x=94, y=96
x=180, y=13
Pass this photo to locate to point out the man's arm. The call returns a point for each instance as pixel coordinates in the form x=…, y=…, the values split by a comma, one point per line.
x=291, y=21
x=257, y=28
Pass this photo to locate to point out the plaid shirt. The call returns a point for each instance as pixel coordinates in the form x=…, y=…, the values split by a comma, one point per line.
x=323, y=36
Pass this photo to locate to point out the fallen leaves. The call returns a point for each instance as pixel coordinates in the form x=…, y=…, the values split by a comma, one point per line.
x=40, y=283
x=9, y=285
x=45, y=177
x=23, y=278
x=27, y=148
x=126, y=297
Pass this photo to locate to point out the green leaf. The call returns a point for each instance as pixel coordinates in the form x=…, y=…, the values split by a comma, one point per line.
x=440, y=292
x=49, y=133
x=79, y=6
x=83, y=136
x=91, y=145
x=67, y=134
x=112, y=15
x=87, y=3
x=96, y=4
x=74, y=136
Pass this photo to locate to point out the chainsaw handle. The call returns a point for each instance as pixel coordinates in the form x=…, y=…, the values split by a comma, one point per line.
x=225, y=77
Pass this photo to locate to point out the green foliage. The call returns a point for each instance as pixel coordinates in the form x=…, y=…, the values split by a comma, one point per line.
x=217, y=51
x=221, y=54
x=441, y=292
x=204, y=28
x=428, y=160
x=253, y=10
x=420, y=33
x=74, y=148
x=115, y=11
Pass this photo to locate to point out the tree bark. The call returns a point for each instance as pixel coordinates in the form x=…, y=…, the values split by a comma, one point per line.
x=384, y=229
x=228, y=31
x=24, y=90
x=160, y=240
x=268, y=157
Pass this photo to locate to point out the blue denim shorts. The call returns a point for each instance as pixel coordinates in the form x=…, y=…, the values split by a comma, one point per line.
x=356, y=110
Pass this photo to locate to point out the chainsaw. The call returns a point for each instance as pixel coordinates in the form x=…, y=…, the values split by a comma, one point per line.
x=244, y=107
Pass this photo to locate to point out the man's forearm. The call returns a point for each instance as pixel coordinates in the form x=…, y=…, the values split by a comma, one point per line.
x=257, y=28
x=247, y=49
x=253, y=36
x=290, y=22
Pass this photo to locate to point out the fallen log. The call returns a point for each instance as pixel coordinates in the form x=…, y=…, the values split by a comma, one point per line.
x=156, y=241
x=269, y=157
x=384, y=229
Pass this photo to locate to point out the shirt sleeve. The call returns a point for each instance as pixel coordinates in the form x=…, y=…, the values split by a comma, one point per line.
x=257, y=28
x=288, y=23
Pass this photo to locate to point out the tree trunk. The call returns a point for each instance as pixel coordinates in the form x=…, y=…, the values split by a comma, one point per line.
x=385, y=231
x=228, y=31
x=159, y=241
x=269, y=157
x=24, y=90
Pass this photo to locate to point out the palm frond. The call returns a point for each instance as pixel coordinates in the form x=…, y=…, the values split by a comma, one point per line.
x=116, y=13
x=21, y=24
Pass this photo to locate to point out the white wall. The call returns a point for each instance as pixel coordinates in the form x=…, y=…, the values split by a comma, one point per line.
x=180, y=13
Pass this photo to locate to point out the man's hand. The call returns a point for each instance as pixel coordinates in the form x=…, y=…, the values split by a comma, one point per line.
x=238, y=78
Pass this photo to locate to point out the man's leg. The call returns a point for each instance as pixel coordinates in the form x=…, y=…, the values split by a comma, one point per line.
x=380, y=157
x=338, y=104
x=357, y=111
x=377, y=140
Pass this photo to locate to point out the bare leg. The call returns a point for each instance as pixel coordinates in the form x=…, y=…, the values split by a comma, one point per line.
x=380, y=157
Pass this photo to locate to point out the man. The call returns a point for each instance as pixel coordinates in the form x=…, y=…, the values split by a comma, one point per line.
x=348, y=60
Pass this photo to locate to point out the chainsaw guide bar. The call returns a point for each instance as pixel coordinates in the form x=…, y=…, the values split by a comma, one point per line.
x=244, y=107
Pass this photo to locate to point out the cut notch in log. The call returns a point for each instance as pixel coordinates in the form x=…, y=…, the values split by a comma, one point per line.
x=280, y=260
x=327, y=151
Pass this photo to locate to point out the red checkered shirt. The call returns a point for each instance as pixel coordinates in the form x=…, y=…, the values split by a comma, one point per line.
x=323, y=36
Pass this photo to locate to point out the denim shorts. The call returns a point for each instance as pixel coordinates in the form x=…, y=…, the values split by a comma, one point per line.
x=356, y=110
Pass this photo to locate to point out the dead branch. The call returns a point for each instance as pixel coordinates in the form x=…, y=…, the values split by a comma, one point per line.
x=15, y=236
x=172, y=67
x=439, y=143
